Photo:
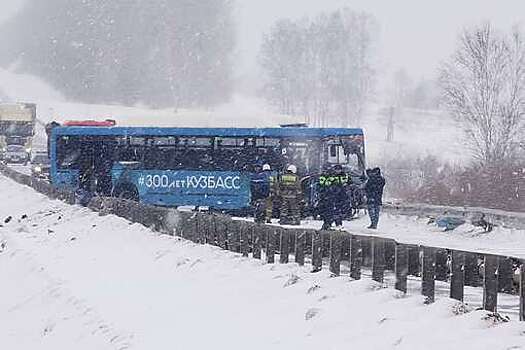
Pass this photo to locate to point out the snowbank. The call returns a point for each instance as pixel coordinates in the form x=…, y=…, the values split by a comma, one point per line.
x=78, y=280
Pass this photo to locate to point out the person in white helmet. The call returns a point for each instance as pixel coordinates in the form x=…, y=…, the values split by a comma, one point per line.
x=289, y=186
x=262, y=194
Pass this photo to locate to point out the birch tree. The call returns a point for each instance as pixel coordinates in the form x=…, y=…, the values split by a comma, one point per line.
x=484, y=88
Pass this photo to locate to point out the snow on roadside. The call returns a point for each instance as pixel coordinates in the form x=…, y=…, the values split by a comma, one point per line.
x=103, y=283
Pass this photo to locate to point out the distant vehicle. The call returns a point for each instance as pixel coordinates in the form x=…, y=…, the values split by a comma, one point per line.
x=40, y=165
x=207, y=167
x=16, y=154
x=17, y=125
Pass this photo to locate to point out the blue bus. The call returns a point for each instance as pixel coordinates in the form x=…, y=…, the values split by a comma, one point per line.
x=205, y=167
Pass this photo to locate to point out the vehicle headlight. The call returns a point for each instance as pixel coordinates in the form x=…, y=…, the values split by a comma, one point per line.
x=38, y=169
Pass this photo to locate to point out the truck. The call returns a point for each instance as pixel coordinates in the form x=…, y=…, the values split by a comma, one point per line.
x=17, y=127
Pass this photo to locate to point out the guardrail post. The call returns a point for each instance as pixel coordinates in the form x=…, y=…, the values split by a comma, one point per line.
x=378, y=259
x=490, y=283
x=317, y=247
x=300, y=242
x=471, y=270
x=258, y=233
x=345, y=247
x=457, y=277
x=336, y=246
x=200, y=231
x=505, y=275
x=308, y=243
x=390, y=255
x=522, y=291
x=413, y=260
x=271, y=244
x=222, y=231
x=355, y=257
x=236, y=226
x=245, y=227
x=401, y=267
x=441, y=265
x=428, y=274
x=183, y=225
x=211, y=234
x=366, y=251
x=284, y=252
x=325, y=238
x=291, y=241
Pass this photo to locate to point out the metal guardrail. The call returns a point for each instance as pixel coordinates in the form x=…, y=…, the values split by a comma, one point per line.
x=321, y=249
x=496, y=217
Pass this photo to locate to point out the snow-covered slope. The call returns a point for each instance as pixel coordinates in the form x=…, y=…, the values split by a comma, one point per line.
x=73, y=279
x=417, y=133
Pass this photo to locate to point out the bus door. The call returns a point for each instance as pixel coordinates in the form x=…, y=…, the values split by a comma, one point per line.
x=67, y=162
x=103, y=150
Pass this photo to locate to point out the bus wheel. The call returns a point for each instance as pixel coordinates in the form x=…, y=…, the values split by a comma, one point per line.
x=127, y=192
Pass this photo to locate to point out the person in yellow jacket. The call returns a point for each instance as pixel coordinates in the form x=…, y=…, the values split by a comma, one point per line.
x=290, y=193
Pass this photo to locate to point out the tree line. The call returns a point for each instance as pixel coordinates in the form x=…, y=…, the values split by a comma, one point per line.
x=321, y=68
x=158, y=52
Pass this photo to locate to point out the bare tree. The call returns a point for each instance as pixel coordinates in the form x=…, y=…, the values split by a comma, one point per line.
x=483, y=85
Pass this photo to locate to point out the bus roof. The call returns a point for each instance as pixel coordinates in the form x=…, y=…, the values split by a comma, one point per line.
x=207, y=132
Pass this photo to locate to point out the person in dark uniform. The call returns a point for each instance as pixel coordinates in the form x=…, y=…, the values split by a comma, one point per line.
x=334, y=200
x=374, y=195
x=289, y=188
x=262, y=194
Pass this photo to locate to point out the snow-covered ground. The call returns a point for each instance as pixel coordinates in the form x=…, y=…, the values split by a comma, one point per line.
x=76, y=280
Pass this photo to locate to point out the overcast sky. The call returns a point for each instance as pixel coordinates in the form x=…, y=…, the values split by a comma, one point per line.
x=414, y=34
x=8, y=7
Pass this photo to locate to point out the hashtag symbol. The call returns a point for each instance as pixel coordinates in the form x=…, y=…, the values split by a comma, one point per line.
x=141, y=181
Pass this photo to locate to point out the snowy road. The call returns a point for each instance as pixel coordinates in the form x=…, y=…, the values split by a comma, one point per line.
x=78, y=280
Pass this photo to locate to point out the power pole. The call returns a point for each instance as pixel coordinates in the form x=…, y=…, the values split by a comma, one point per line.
x=390, y=125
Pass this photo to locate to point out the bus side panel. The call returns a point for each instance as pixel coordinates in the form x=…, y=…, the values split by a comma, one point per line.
x=215, y=189
x=67, y=179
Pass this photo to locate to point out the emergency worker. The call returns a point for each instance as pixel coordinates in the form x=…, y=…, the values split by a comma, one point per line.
x=289, y=187
x=263, y=189
x=374, y=195
x=334, y=200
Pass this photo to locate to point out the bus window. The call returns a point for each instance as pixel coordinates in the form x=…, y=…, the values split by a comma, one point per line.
x=174, y=153
x=69, y=152
x=296, y=152
x=333, y=152
x=351, y=158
